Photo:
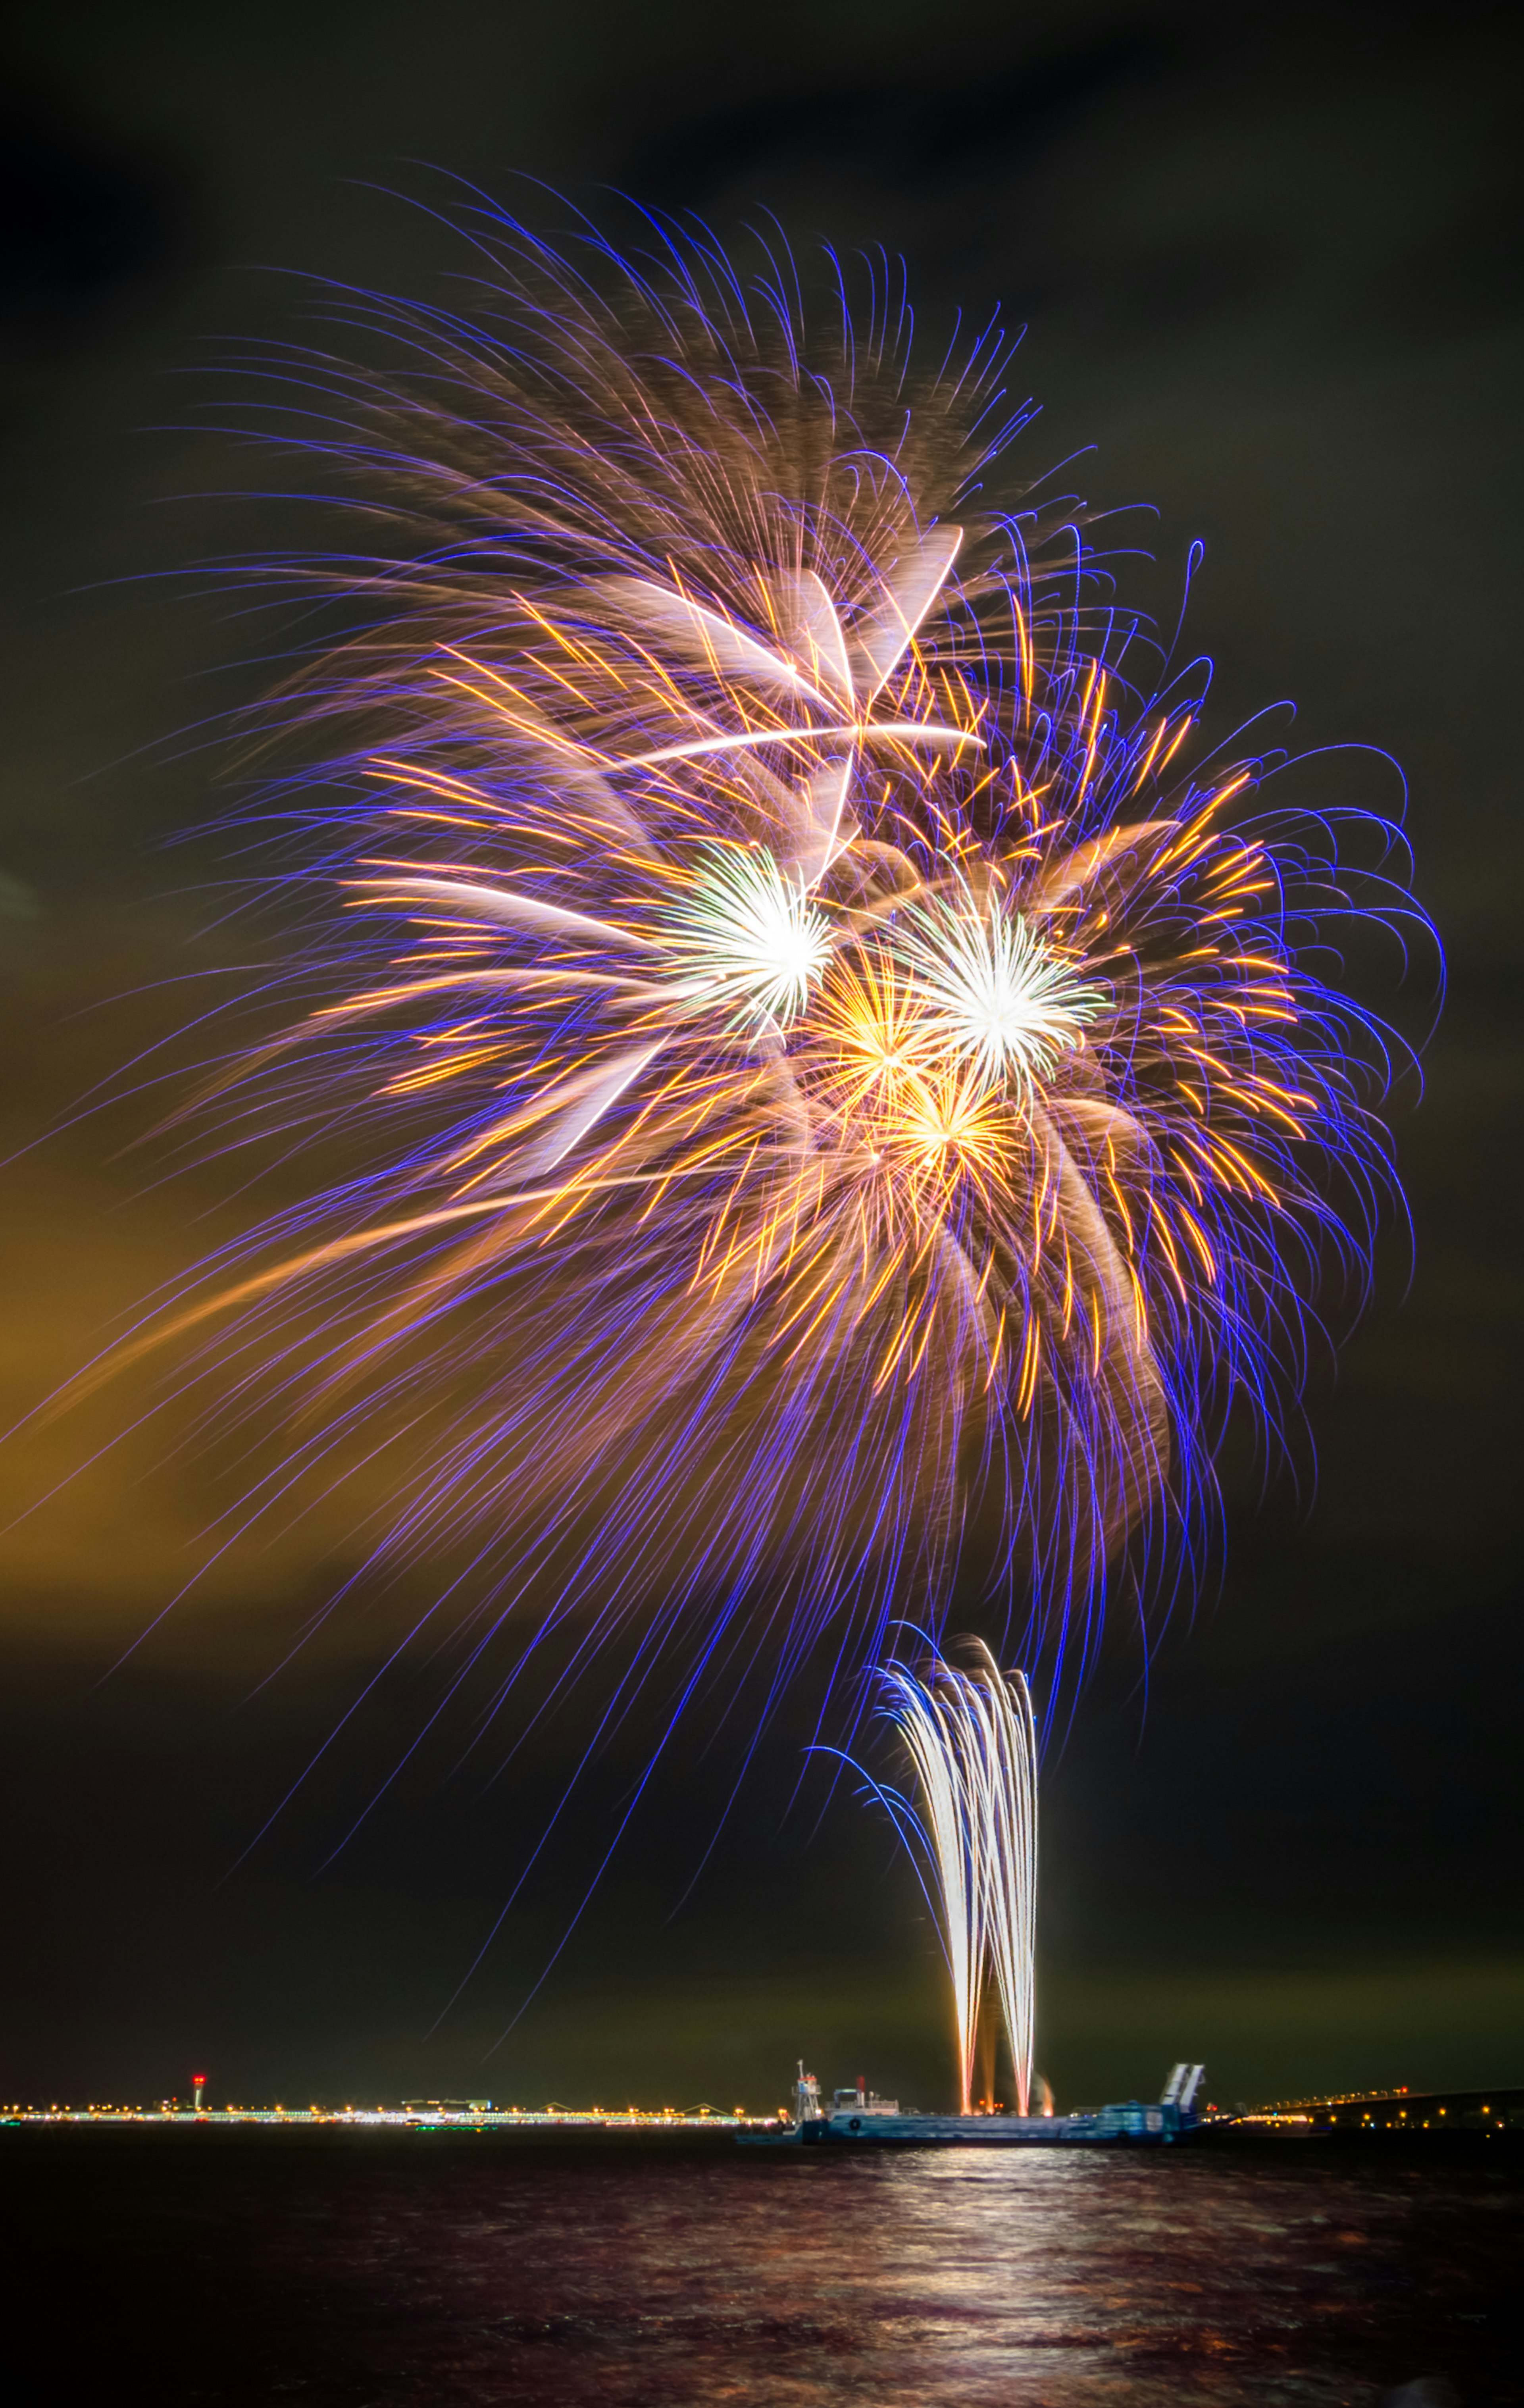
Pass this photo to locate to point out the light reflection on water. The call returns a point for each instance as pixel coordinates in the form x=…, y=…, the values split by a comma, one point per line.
x=932, y=2278
x=439, y=2272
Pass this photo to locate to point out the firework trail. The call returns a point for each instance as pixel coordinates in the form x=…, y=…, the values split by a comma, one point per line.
x=972, y=1745
x=820, y=1075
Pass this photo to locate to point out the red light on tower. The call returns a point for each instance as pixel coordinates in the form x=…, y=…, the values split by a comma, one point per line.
x=199, y=2082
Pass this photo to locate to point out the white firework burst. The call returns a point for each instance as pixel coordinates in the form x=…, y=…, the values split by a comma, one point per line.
x=994, y=992
x=747, y=934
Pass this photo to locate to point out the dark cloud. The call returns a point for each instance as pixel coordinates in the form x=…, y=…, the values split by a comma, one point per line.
x=1004, y=119
x=96, y=223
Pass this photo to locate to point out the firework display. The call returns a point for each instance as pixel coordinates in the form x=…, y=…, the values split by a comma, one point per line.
x=824, y=1069
x=973, y=1746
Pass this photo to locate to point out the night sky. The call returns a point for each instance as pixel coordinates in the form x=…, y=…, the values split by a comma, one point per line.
x=1269, y=265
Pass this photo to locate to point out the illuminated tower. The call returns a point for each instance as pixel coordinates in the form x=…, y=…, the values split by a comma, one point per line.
x=200, y=2081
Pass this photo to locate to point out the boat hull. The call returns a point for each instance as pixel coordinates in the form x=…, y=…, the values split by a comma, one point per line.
x=1130, y=2126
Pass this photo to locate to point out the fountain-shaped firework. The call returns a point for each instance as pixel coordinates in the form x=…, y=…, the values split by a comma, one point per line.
x=973, y=1747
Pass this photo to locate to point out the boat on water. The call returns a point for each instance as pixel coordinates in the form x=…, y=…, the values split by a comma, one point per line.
x=859, y=2118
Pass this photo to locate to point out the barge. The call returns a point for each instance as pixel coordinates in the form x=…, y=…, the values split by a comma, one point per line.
x=858, y=2119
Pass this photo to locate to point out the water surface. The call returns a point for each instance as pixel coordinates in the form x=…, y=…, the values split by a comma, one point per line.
x=448, y=2272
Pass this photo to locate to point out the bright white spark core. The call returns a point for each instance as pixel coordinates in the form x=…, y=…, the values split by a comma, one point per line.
x=994, y=992
x=747, y=931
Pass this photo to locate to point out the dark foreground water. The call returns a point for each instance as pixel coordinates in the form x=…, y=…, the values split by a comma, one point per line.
x=345, y=2270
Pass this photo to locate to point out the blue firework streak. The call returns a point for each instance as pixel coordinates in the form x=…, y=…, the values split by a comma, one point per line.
x=827, y=1076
